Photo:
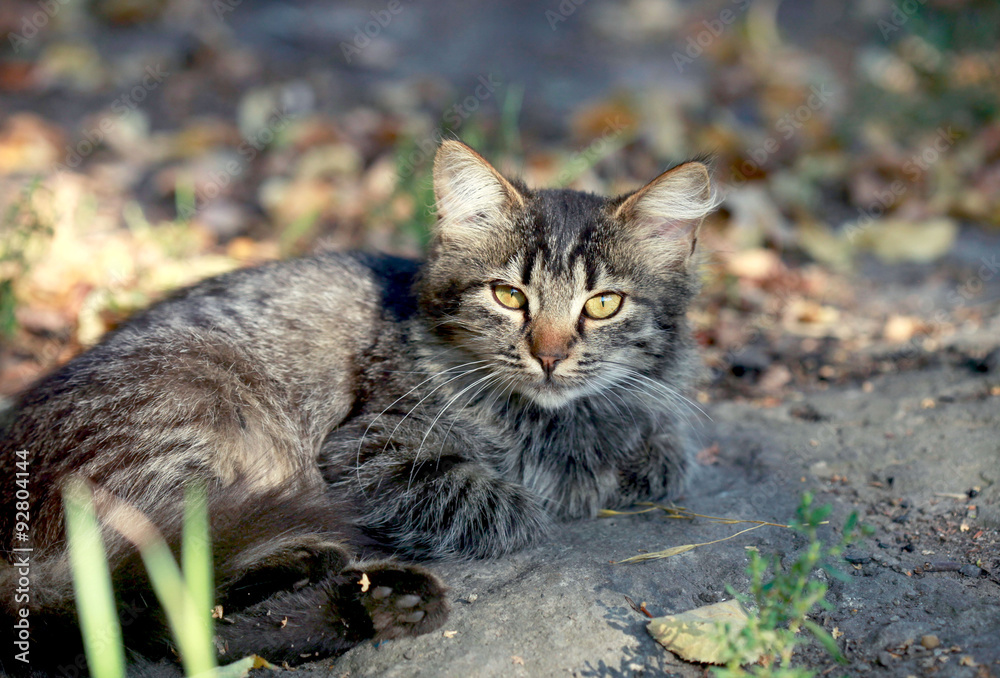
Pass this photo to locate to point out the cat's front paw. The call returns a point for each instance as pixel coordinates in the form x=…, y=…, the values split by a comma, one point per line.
x=402, y=600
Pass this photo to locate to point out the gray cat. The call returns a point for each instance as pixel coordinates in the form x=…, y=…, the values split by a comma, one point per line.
x=532, y=370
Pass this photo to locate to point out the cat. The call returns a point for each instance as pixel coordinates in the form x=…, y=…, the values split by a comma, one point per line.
x=531, y=370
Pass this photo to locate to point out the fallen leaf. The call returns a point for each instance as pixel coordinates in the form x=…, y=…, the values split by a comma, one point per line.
x=894, y=240
x=754, y=264
x=900, y=328
x=694, y=635
x=241, y=668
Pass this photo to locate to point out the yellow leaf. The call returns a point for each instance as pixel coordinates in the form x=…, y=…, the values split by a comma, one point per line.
x=694, y=635
x=261, y=663
x=895, y=240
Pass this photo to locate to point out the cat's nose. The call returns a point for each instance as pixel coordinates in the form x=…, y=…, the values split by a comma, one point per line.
x=549, y=361
x=549, y=346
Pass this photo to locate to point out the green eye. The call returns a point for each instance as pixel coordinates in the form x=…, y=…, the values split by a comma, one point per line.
x=508, y=296
x=602, y=306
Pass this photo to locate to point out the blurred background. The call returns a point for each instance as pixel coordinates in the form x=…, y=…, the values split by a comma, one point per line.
x=145, y=144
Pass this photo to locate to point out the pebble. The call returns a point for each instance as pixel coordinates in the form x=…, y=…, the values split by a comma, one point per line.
x=856, y=557
x=930, y=641
x=969, y=571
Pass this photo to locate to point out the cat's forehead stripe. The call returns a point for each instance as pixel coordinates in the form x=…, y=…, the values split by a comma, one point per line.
x=562, y=233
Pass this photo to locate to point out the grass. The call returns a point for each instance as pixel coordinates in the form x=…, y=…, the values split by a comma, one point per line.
x=780, y=601
x=185, y=593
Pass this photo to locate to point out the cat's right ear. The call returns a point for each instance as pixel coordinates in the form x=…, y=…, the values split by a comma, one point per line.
x=471, y=197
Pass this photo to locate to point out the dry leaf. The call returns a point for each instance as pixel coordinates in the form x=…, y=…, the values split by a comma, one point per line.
x=694, y=635
x=365, y=582
x=901, y=328
x=242, y=667
x=895, y=240
x=754, y=264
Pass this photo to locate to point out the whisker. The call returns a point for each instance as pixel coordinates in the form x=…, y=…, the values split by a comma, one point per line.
x=361, y=442
x=416, y=455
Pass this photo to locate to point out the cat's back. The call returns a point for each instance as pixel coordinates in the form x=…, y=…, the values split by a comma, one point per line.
x=239, y=376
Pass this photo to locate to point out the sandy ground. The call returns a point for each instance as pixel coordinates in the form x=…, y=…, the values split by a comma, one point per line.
x=905, y=452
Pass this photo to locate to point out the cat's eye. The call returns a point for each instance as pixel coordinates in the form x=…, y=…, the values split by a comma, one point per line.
x=602, y=306
x=510, y=296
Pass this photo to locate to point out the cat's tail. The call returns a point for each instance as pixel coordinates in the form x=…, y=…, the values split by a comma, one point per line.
x=287, y=590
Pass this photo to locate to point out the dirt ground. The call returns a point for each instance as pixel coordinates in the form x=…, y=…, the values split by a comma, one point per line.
x=914, y=453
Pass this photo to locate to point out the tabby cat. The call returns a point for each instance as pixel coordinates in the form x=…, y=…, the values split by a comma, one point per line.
x=532, y=370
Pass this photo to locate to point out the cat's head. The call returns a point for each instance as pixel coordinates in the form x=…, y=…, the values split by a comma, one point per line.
x=562, y=293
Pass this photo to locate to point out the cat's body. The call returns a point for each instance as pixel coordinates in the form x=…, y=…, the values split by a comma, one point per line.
x=532, y=370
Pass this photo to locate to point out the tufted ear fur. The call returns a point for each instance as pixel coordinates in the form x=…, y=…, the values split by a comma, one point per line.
x=667, y=212
x=472, y=198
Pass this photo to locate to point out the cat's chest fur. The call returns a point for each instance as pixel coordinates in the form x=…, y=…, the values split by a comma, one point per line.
x=594, y=453
x=576, y=457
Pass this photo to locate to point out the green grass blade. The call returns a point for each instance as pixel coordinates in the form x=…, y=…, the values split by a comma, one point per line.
x=95, y=600
x=184, y=616
x=196, y=554
x=509, y=128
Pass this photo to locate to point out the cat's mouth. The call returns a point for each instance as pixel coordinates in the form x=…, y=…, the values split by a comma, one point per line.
x=551, y=392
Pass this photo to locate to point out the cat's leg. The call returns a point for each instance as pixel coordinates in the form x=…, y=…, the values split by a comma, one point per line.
x=376, y=601
x=418, y=494
x=282, y=564
x=288, y=586
x=658, y=470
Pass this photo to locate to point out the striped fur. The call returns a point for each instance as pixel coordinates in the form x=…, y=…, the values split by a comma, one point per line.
x=395, y=402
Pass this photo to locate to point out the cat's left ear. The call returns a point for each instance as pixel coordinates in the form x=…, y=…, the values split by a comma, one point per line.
x=668, y=211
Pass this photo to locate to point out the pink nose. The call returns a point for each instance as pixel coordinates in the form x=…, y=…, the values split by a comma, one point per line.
x=549, y=361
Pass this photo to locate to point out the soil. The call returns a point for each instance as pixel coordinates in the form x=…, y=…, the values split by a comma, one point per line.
x=915, y=454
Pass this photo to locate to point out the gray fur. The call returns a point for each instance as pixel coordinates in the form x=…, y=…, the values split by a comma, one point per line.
x=408, y=395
